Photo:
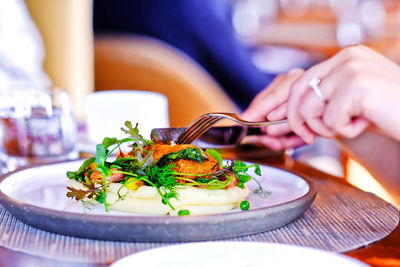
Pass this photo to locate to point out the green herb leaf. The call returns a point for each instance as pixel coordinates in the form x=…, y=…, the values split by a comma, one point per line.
x=161, y=176
x=257, y=170
x=240, y=166
x=215, y=154
x=167, y=196
x=244, y=178
x=101, y=197
x=100, y=154
x=134, y=133
x=191, y=153
x=107, y=142
x=78, y=175
x=203, y=180
x=104, y=170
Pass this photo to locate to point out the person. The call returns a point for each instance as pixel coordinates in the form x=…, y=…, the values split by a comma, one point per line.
x=202, y=29
x=356, y=102
x=21, y=49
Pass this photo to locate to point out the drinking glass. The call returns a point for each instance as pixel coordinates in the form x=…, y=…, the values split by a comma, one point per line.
x=36, y=127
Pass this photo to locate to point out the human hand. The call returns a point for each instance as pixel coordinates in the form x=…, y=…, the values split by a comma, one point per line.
x=271, y=103
x=360, y=87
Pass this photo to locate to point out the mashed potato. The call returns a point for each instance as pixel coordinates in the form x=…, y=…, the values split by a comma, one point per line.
x=146, y=199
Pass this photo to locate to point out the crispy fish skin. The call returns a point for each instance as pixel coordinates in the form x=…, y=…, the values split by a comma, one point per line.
x=161, y=149
x=183, y=165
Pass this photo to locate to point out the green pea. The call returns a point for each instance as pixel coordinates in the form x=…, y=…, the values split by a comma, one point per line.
x=244, y=205
x=183, y=212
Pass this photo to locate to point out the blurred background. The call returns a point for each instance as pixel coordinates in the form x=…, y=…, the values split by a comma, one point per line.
x=210, y=55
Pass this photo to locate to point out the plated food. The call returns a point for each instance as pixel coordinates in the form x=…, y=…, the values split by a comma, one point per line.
x=150, y=178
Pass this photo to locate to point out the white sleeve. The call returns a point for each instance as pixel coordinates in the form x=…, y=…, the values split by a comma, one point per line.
x=21, y=48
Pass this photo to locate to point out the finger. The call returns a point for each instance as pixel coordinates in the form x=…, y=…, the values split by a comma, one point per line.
x=272, y=143
x=271, y=97
x=264, y=102
x=280, y=143
x=279, y=113
x=292, y=141
x=343, y=113
x=296, y=121
x=297, y=91
x=312, y=106
x=278, y=130
x=311, y=110
x=308, y=136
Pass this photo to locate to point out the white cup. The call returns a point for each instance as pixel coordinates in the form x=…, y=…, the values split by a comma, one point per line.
x=107, y=111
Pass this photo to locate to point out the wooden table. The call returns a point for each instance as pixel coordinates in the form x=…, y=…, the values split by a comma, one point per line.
x=385, y=252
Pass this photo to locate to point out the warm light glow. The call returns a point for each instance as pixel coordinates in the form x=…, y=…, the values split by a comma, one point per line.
x=358, y=176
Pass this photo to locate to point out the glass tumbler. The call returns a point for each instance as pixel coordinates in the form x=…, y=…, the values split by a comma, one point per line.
x=36, y=127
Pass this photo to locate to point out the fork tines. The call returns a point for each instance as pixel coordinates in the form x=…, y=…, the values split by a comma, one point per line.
x=203, y=123
x=197, y=128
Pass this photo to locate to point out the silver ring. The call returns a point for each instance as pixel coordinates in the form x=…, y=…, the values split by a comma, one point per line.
x=314, y=82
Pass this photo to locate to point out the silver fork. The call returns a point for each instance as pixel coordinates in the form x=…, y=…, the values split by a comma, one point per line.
x=206, y=121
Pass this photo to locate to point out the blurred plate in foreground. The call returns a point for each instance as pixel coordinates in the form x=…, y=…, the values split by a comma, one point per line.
x=235, y=254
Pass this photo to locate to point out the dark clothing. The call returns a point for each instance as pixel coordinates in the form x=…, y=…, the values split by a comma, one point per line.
x=200, y=28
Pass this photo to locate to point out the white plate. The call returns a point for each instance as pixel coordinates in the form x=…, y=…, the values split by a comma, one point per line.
x=37, y=196
x=236, y=254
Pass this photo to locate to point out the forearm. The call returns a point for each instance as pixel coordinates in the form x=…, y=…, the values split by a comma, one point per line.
x=380, y=155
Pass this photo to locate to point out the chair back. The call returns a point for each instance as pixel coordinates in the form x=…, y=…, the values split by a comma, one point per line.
x=144, y=63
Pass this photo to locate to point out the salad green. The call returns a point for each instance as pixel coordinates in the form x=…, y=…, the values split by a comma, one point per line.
x=140, y=167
